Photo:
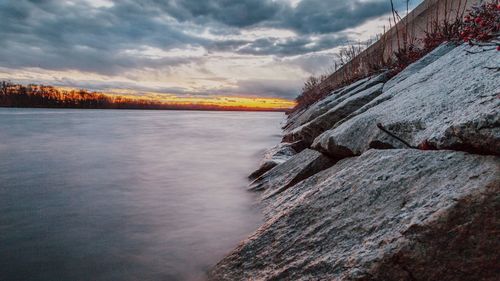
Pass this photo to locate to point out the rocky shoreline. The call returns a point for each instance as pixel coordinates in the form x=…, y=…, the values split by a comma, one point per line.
x=385, y=179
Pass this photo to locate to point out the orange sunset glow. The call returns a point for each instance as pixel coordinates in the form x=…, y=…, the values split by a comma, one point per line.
x=49, y=96
x=252, y=103
x=248, y=102
x=212, y=54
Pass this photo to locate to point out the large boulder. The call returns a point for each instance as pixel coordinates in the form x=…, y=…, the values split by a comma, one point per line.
x=333, y=99
x=452, y=103
x=386, y=215
x=311, y=112
x=279, y=154
x=420, y=64
x=309, y=131
x=407, y=72
x=364, y=84
x=296, y=169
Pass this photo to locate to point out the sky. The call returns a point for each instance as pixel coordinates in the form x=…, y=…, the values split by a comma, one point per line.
x=255, y=48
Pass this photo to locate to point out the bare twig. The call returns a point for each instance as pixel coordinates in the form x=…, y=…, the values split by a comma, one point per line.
x=497, y=68
x=480, y=51
x=383, y=129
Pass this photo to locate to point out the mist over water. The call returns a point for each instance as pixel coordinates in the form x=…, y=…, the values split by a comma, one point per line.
x=126, y=195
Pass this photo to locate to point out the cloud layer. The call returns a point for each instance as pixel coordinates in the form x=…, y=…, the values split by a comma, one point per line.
x=241, y=47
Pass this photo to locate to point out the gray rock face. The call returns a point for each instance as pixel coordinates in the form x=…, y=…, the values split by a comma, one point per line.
x=293, y=117
x=312, y=112
x=386, y=215
x=452, y=103
x=364, y=84
x=309, y=131
x=334, y=99
x=420, y=64
x=296, y=169
x=273, y=157
x=392, y=214
x=407, y=72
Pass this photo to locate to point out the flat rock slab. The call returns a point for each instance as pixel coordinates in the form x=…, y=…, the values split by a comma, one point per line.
x=386, y=215
x=364, y=84
x=452, y=103
x=420, y=64
x=309, y=131
x=332, y=100
x=311, y=112
x=296, y=169
x=273, y=157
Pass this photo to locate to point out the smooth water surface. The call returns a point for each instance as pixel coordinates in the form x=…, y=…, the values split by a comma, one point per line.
x=125, y=195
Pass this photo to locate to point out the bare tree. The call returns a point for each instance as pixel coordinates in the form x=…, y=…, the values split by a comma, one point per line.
x=348, y=53
x=310, y=84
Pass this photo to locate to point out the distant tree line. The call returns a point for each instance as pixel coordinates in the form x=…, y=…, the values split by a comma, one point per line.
x=39, y=96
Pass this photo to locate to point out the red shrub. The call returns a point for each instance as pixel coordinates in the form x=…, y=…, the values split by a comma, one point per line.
x=482, y=25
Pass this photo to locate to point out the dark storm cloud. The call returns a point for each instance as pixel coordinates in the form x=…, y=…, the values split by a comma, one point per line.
x=75, y=35
x=317, y=63
x=278, y=46
x=320, y=16
x=237, y=13
x=310, y=16
x=56, y=36
x=292, y=47
x=53, y=26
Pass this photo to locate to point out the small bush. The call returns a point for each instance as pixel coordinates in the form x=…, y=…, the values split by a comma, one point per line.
x=482, y=25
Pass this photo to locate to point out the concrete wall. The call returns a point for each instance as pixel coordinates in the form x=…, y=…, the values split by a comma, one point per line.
x=411, y=29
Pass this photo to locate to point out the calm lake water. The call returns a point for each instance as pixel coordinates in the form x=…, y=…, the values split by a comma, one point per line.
x=125, y=195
